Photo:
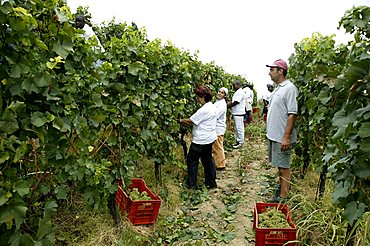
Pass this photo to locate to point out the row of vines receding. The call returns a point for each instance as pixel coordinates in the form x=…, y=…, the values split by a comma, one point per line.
x=68, y=124
x=334, y=111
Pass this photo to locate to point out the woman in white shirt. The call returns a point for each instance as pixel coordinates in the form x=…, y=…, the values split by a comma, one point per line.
x=204, y=134
x=218, y=146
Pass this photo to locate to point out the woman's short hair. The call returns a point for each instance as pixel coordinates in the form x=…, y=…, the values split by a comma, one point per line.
x=203, y=91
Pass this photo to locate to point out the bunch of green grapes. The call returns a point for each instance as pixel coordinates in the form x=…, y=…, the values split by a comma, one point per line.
x=135, y=195
x=273, y=218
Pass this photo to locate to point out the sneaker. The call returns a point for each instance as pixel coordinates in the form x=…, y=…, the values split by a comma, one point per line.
x=237, y=146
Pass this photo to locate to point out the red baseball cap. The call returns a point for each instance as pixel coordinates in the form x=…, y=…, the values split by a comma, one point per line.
x=279, y=63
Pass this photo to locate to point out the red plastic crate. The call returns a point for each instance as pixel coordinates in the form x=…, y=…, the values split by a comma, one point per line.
x=138, y=212
x=274, y=236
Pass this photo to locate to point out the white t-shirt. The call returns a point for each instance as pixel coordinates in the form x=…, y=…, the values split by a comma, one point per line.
x=204, y=124
x=249, y=98
x=221, y=109
x=283, y=101
x=239, y=96
x=267, y=96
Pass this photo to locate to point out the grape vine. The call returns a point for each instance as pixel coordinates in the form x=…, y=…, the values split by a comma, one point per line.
x=335, y=110
x=68, y=125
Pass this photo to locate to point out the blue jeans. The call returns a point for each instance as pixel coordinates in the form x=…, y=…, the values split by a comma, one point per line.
x=203, y=152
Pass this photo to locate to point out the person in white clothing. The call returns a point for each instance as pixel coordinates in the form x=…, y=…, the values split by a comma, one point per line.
x=204, y=134
x=280, y=125
x=238, y=111
x=218, y=146
x=89, y=33
x=248, y=90
x=266, y=100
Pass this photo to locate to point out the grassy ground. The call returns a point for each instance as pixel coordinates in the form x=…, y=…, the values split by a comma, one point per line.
x=222, y=216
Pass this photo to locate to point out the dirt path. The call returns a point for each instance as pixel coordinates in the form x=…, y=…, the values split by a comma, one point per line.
x=229, y=211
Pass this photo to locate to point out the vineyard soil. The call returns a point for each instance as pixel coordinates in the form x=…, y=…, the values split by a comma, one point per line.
x=221, y=216
x=241, y=179
x=224, y=217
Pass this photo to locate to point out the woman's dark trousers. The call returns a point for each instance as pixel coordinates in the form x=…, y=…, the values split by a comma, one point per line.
x=203, y=152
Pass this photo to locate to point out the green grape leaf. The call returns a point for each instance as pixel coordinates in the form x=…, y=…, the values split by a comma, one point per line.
x=45, y=189
x=16, y=71
x=62, y=16
x=43, y=79
x=8, y=122
x=50, y=209
x=152, y=124
x=41, y=44
x=63, y=49
x=341, y=118
x=354, y=211
x=21, y=239
x=61, y=192
x=341, y=190
x=5, y=7
x=4, y=196
x=135, y=67
x=4, y=156
x=364, y=130
x=20, y=152
x=362, y=169
x=96, y=98
x=61, y=124
x=324, y=96
x=38, y=119
x=364, y=112
x=22, y=187
x=16, y=211
x=365, y=145
x=45, y=232
x=154, y=96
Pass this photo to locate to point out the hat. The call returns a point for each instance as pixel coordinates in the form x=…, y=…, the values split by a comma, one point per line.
x=279, y=63
x=225, y=90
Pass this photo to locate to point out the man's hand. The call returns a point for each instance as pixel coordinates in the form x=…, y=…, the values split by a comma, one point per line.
x=285, y=144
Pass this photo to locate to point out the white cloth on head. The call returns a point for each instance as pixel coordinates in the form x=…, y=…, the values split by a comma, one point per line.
x=225, y=90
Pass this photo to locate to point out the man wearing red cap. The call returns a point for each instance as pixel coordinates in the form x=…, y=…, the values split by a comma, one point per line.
x=281, y=118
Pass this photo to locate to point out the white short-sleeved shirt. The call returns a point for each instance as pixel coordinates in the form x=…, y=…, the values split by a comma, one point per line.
x=89, y=32
x=283, y=101
x=239, y=96
x=221, y=109
x=249, y=98
x=204, y=124
x=267, y=96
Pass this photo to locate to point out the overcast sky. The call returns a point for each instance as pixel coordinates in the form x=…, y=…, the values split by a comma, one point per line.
x=241, y=36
